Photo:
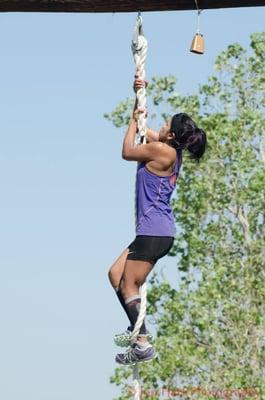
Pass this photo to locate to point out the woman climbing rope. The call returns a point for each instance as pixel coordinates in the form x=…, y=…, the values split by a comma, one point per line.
x=158, y=168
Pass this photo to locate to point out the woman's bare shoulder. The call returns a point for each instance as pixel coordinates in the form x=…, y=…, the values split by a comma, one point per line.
x=165, y=160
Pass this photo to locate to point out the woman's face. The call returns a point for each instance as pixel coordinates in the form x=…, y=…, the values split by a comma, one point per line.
x=164, y=131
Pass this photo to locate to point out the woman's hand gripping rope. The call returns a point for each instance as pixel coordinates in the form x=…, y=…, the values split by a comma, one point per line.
x=139, y=83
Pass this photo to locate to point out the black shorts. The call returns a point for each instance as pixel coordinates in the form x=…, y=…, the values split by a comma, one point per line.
x=149, y=248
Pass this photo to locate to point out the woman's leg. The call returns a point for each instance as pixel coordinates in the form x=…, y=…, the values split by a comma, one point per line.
x=115, y=273
x=116, y=270
x=134, y=275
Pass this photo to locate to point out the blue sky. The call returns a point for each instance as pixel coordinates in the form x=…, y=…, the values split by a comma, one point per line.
x=66, y=204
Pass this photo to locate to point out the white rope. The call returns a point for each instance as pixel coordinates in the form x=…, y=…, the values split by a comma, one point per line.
x=136, y=383
x=141, y=315
x=139, y=49
x=138, y=324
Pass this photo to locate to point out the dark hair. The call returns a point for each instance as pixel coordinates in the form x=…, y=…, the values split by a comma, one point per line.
x=188, y=135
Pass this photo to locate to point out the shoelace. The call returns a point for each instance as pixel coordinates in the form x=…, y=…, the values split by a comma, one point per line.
x=130, y=356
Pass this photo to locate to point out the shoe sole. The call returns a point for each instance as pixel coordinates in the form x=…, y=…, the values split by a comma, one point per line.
x=126, y=342
x=138, y=362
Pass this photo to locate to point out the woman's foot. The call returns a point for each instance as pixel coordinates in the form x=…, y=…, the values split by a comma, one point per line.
x=124, y=339
x=137, y=353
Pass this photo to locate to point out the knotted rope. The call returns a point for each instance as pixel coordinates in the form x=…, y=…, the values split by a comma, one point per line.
x=139, y=49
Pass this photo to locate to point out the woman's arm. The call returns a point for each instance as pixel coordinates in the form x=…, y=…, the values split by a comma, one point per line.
x=128, y=141
x=143, y=152
x=152, y=136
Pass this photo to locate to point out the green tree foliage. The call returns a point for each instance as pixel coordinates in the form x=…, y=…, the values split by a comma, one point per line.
x=211, y=329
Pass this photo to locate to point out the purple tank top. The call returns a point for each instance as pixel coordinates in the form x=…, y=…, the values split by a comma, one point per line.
x=154, y=216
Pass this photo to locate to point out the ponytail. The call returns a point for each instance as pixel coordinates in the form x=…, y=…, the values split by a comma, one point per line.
x=188, y=136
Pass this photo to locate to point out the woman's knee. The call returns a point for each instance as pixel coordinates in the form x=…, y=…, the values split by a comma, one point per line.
x=116, y=270
x=113, y=277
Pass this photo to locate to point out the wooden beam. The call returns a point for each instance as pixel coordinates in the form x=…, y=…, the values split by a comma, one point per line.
x=107, y=6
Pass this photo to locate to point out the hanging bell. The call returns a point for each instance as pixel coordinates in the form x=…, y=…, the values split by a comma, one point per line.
x=197, y=45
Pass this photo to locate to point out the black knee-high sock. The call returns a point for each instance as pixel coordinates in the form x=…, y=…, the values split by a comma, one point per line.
x=132, y=305
x=121, y=299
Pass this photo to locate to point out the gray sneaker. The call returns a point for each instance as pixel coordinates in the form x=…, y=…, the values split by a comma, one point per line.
x=135, y=355
x=124, y=339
